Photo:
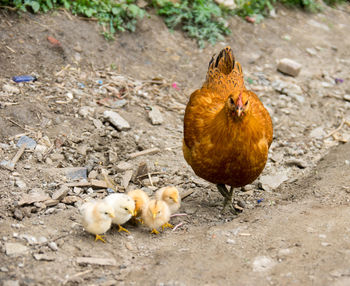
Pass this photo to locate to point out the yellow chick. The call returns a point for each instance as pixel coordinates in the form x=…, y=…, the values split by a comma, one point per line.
x=171, y=196
x=124, y=208
x=155, y=214
x=97, y=218
x=141, y=199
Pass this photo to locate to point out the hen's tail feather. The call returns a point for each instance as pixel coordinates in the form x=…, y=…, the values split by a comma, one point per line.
x=225, y=61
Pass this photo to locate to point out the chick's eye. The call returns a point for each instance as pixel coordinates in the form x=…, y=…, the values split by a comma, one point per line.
x=106, y=213
x=126, y=209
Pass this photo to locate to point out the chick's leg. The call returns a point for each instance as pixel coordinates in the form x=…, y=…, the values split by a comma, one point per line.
x=155, y=231
x=167, y=225
x=122, y=229
x=99, y=237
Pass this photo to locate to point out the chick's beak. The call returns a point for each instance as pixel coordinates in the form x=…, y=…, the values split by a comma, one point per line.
x=154, y=215
x=134, y=213
x=111, y=215
x=131, y=212
x=175, y=200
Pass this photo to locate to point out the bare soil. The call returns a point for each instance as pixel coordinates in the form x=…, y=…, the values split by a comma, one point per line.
x=295, y=226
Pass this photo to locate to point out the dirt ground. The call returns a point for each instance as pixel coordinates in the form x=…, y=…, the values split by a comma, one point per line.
x=295, y=226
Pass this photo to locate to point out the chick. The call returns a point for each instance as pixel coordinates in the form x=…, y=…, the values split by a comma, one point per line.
x=97, y=218
x=155, y=214
x=141, y=199
x=124, y=208
x=171, y=196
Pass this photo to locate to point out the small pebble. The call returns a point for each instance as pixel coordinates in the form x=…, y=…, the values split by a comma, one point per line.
x=53, y=246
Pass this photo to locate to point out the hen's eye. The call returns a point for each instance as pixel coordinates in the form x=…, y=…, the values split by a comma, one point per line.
x=232, y=101
x=246, y=103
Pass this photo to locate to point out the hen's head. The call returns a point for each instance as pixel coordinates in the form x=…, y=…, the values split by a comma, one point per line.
x=238, y=105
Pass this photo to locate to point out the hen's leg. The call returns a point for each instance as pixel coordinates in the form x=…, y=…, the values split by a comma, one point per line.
x=227, y=195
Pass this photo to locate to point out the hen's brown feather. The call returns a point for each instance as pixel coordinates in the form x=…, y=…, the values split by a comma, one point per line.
x=219, y=148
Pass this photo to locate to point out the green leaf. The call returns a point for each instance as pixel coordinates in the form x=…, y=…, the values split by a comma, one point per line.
x=35, y=6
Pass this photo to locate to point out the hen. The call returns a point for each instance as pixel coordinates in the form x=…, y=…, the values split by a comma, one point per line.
x=227, y=130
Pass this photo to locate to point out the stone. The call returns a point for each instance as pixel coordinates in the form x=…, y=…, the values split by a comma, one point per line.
x=123, y=166
x=18, y=214
x=155, y=116
x=76, y=173
x=30, y=143
x=15, y=249
x=227, y=3
x=316, y=24
x=98, y=123
x=44, y=257
x=29, y=238
x=10, y=89
x=284, y=252
x=40, y=149
x=297, y=162
x=93, y=174
x=116, y=120
x=69, y=200
x=126, y=178
x=10, y=283
x=96, y=261
x=36, y=196
x=263, y=263
x=57, y=157
x=86, y=111
x=346, y=97
x=60, y=193
x=53, y=246
x=271, y=182
x=289, y=67
x=20, y=184
x=317, y=133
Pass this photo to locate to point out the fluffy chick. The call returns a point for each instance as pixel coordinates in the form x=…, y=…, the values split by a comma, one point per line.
x=141, y=199
x=156, y=214
x=123, y=206
x=97, y=218
x=171, y=196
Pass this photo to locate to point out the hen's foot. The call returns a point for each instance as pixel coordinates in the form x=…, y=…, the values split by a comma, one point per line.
x=100, y=237
x=234, y=208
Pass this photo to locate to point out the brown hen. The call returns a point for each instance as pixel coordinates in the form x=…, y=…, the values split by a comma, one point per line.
x=227, y=130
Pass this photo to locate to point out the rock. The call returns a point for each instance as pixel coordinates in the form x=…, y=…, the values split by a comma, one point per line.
x=227, y=3
x=155, y=116
x=44, y=257
x=311, y=51
x=129, y=246
x=271, y=182
x=20, y=184
x=126, y=178
x=116, y=120
x=317, y=133
x=76, y=173
x=51, y=203
x=4, y=269
x=230, y=241
x=82, y=149
x=10, y=283
x=60, y=193
x=263, y=263
x=284, y=252
x=98, y=123
x=346, y=97
x=147, y=182
x=42, y=239
x=10, y=89
x=15, y=249
x=112, y=157
x=36, y=196
x=316, y=24
x=123, y=166
x=69, y=200
x=30, y=143
x=289, y=67
x=96, y=261
x=29, y=238
x=297, y=162
x=18, y=214
x=93, y=174
x=53, y=246
x=86, y=111
x=57, y=157
x=40, y=149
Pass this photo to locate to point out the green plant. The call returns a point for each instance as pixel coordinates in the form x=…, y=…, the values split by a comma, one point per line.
x=202, y=20
x=118, y=15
